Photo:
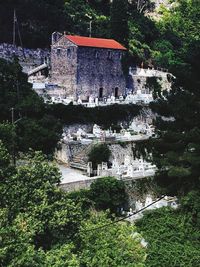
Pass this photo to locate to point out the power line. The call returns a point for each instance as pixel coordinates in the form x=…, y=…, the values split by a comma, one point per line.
x=16, y=25
x=124, y=218
x=109, y=224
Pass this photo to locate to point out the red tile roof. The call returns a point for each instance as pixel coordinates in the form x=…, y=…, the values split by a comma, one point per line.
x=95, y=42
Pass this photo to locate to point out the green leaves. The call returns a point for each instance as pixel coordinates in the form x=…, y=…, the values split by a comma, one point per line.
x=34, y=128
x=179, y=172
x=176, y=152
x=172, y=238
x=116, y=245
x=98, y=154
x=108, y=193
x=40, y=225
x=119, y=21
x=62, y=256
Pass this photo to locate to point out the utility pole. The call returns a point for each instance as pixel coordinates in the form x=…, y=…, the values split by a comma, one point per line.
x=14, y=28
x=90, y=24
x=12, y=115
x=90, y=28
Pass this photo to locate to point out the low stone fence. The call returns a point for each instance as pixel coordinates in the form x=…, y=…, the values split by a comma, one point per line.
x=78, y=185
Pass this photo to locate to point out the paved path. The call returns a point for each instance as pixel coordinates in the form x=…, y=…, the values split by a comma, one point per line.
x=71, y=175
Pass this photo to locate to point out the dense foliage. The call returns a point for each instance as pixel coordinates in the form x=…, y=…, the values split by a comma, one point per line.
x=173, y=238
x=106, y=193
x=32, y=126
x=176, y=152
x=37, y=125
x=40, y=225
x=109, y=193
x=98, y=154
x=117, y=252
x=105, y=116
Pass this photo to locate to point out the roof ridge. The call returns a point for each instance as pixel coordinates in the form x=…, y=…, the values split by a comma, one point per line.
x=95, y=42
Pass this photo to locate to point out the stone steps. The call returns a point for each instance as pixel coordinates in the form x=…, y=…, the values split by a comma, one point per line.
x=79, y=161
x=81, y=157
x=79, y=166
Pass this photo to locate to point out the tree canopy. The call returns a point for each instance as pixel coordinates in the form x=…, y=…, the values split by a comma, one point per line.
x=41, y=225
x=177, y=148
x=172, y=238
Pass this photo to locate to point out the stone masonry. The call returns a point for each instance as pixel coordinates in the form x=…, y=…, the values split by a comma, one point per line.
x=86, y=71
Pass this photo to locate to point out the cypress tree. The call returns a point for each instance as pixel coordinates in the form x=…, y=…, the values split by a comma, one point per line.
x=119, y=21
x=177, y=149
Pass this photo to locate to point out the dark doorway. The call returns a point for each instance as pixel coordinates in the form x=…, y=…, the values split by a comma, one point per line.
x=116, y=91
x=100, y=92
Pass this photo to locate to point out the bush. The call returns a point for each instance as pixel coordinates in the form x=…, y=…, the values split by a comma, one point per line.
x=108, y=193
x=98, y=154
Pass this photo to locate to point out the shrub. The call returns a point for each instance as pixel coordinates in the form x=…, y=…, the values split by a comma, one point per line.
x=98, y=154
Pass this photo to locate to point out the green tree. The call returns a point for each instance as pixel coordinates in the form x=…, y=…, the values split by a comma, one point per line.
x=36, y=215
x=120, y=246
x=34, y=128
x=119, y=21
x=172, y=238
x=62, y=256
x=6, y=135
x=190, y=205
x=41, y=226
x=178, y=29
x=98, y=154
x=108, y=193
x=176, y=151
x=5, y=160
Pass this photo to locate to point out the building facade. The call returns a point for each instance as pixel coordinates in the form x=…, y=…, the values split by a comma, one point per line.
x=87, y=67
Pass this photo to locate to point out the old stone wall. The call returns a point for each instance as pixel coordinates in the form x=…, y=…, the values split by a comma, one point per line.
x=28, y=58
x=65, y=151
x=99, y=73
x=120, y=150
x=64, y=66
x=87, y=71
x=78, y=185
x=136, y=189
x=138, y=82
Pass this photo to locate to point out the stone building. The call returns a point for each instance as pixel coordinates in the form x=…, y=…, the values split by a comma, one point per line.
x=87, y=67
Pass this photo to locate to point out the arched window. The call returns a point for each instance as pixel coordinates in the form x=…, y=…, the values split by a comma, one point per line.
x=58, y=51
x=69, y=52
x=100, y=92
x=96, y=54
x=116, y=91
x=109, y=54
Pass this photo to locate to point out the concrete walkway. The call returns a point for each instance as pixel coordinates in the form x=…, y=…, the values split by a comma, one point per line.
x=71, y=175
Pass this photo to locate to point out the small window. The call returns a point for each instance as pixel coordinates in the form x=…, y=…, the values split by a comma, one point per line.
x=109, y=55
x=96, y=54
x=100, y=92
x=120, y=55
x=58, y=51
x=116, y=92
x=69, y=52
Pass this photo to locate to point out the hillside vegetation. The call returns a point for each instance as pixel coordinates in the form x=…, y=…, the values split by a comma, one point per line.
x=149, y=42
x=42, y=226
